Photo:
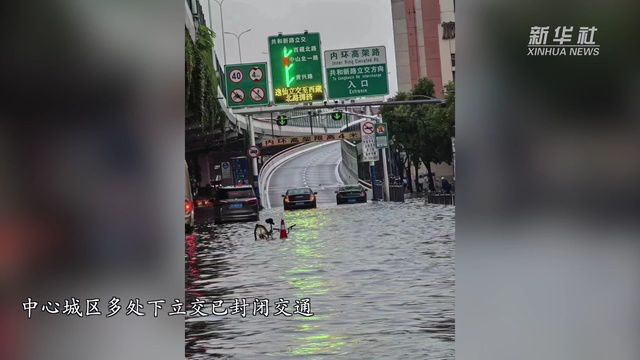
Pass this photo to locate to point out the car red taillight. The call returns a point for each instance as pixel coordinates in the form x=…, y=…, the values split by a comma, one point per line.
x=312, y=198
x=252, y=202
x=188, y=207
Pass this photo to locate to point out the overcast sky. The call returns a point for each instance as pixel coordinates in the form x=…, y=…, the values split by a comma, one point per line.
x=341, y=24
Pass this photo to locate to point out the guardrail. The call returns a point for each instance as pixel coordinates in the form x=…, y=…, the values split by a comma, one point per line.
x=441, y=198
x=295, y=127
x=322, y=121
x=349, y=164
x=268, y=167
x=278, y=159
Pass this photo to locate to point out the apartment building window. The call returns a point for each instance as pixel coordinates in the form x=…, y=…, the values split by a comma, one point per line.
x=448, y=30
x=453, y=60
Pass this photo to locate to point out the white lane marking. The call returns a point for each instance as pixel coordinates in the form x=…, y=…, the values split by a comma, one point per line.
x=284, y=161
x=337, y=172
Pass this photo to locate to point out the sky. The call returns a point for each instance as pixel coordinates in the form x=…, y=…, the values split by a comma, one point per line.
x=341, y=24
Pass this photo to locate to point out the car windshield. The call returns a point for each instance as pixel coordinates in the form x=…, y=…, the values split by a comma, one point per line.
x=351, y=188
x=298, y=191
x=235, y=194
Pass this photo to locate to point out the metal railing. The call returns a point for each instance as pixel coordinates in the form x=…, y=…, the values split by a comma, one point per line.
x=302, y=119
x=440, y=198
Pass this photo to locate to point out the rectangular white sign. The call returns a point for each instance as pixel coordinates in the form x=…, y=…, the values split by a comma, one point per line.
x=369, y=149
x=372, y=55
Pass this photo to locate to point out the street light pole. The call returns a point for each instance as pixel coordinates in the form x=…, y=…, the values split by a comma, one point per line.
x=272, y=134
x=311, y=121
x=238, y=38
x=224, y=47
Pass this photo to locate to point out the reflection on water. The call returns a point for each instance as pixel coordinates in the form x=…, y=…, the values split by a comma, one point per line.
x=380, y=278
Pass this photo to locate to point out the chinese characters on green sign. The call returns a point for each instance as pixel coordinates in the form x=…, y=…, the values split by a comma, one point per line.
x=353, y=73
x=296, y=68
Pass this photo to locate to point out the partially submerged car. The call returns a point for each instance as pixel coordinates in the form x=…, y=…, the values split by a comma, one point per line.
x=350, y=194
x=299, y=198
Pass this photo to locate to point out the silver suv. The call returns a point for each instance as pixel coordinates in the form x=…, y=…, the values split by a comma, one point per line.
x=235, y=203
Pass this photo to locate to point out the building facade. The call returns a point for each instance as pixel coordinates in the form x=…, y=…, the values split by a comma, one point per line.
x=424, y=33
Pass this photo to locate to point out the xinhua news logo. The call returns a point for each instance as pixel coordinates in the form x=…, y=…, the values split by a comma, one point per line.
x=563, y=43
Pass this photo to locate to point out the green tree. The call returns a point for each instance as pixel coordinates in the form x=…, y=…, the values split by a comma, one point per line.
x=423, y=87
x=423, y=131
x=402, y=130
x=435, y=142
x=201, y=81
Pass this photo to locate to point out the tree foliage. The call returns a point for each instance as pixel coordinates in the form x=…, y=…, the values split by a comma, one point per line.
x=201, y=81
x=423, y=131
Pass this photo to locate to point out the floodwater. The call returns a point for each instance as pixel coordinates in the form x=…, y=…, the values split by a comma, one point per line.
x=380, y=278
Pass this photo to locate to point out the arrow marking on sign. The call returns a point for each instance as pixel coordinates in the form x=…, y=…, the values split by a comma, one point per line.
x=287, y=66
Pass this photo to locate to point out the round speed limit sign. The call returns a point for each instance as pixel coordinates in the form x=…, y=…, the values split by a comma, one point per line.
x=236, y=76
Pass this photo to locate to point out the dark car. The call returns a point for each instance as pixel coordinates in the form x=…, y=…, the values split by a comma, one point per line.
x=235, y=203
x=302, y=198
x=351, y=194
x=204, y=199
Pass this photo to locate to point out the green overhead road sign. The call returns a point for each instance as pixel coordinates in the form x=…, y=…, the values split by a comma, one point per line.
x=281, y=120
x=354, y=73
x=246, y=85
x=296, y=68
x=337, y=116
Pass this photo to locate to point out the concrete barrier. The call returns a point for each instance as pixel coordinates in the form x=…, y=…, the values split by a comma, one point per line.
x=396, y=193
x=440, y=198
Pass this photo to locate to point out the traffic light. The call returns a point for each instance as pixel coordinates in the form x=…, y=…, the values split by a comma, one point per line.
x=281, y=120
x=337, y=116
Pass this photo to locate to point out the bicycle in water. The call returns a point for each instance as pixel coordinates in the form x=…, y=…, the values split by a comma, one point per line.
x=260, y=232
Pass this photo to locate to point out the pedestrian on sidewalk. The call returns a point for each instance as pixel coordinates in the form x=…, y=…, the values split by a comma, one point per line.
x=420, y=183
x=446, y=186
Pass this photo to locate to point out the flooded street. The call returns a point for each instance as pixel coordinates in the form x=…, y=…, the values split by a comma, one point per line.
x=379, y=276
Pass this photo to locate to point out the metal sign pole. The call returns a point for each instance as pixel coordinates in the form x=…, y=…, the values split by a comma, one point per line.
x=272, y=134
x=254, y=161
x=386, y=174
x=385, y=169
x=384, y=160
x=372, y=171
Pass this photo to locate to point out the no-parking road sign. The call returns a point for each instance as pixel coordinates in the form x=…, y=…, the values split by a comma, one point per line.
x=369, y=149
x=237, y=96
x=257, y=94
x=253, y=152
x=246, y=85
x=367, y=127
